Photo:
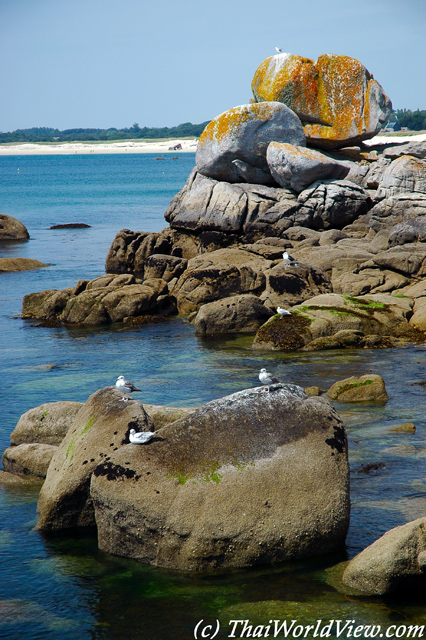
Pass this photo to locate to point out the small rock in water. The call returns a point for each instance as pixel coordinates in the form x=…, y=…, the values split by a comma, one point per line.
x=71, y=225
x=407, y=427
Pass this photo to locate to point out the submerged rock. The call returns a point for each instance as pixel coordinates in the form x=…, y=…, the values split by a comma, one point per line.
x=251, y=478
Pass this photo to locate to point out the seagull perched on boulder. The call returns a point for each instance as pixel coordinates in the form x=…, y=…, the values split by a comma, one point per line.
x=283, y=312
x=125, y=386
x=267, y=378
x=289, y=260
x=278, y=50
x=142, y=437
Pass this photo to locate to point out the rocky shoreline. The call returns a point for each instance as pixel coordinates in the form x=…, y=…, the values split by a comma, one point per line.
x=262, y=475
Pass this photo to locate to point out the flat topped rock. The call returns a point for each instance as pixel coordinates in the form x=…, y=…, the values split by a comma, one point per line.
x=71, y=225
x=20, y=264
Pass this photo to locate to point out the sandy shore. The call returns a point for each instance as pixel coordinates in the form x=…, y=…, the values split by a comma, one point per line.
x=124, y=146
x=159, y=148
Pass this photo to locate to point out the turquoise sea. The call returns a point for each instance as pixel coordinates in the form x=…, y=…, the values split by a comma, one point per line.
x=61, y=586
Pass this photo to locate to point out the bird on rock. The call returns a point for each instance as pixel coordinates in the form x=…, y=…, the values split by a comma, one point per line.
x=283, y=312
x=267, y=378
x=125, y=386
x=141, y=437
x=289, y=260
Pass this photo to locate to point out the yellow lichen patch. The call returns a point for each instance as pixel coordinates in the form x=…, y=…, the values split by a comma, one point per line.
x=227, y=124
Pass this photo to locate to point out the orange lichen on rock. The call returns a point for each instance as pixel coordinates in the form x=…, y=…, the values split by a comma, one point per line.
x=229, y=122
x=337, y=90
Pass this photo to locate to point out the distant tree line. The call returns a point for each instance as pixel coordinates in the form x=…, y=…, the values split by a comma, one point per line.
x=46, y=134
x=413, y=120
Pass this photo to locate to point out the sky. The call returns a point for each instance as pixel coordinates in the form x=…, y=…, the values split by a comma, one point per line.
x=112, y=63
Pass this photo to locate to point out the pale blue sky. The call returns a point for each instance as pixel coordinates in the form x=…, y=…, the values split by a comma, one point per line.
x=110, y=63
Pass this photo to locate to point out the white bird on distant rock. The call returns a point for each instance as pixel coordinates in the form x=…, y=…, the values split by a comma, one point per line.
x=267, y=378
x=278, y=50
x=289, y=260
x=283, y=312
x=125, y=386
x=142, y=437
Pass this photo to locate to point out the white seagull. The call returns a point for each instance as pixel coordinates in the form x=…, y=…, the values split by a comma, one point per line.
x=283, y=312
x=289, y=260
x=125, y=386
x=142, y=437
x=267, y=378
x=278, y=50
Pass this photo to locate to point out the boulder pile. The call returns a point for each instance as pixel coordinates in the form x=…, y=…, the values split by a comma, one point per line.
x=352, y=217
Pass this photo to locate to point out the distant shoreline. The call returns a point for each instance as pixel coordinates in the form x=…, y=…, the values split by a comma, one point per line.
x=159, y=148
x=122, y=146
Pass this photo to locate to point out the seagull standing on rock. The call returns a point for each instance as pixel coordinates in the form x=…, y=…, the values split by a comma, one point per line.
x=283, y=312
x=141, y=437
x=289, y=260
x=267, y=378
x=125, y=386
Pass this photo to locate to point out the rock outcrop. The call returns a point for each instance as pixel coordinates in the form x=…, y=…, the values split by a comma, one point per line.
x=333, y=321
x=233, y=145
x=394, y=562
x=12, y=229
x=251, y=478
x=336, y=97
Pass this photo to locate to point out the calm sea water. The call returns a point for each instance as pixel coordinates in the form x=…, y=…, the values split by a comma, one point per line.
x=62, y=586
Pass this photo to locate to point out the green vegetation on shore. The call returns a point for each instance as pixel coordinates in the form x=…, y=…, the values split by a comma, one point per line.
x=413, y=120
x=47, y=134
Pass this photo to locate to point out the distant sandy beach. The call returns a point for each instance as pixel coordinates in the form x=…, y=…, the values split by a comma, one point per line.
x=123, y=146
x=159, y=148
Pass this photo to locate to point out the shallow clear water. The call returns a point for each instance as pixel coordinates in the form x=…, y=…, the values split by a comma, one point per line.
x=62, y=586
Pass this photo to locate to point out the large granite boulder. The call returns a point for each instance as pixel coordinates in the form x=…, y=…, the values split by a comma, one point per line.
x=12, y=229
x=220, y=274
x=233, y=146
x=336, y=97
x=288, y=285
x=236, y=314
x=101, y=427
x=298, y=167
x=331, y=204
x=394, y=562
x=251, y=478
x=28, y=459
x=404, y=175
x=46, y=424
